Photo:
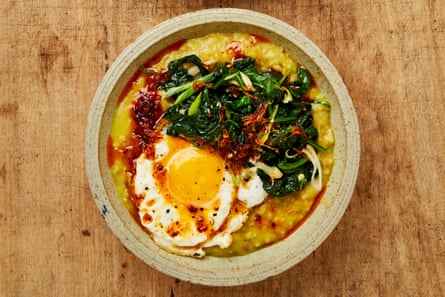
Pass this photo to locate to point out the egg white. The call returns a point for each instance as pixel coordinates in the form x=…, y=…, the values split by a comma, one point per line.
x=251, y=190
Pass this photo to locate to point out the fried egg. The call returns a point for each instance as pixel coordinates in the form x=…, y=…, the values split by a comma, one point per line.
x=190, y=200
x=188, y=196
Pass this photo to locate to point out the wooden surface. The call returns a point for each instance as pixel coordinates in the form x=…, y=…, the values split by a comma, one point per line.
x=391, y=241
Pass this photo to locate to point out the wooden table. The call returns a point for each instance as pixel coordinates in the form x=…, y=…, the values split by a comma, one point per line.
x=391, y=241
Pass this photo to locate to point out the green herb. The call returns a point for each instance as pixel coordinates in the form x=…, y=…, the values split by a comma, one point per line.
x=292, y=167
x=186, y=90
x=302, y=85
x=316, y=145
x=194, y=107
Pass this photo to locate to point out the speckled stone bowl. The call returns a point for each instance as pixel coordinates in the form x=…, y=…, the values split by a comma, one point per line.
x=266, y=262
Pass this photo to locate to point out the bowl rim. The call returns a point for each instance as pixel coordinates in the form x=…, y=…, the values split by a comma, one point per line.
x=188, y=271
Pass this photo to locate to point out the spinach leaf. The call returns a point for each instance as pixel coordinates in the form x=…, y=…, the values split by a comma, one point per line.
x=179, y=77
x=284, y=186
x=291, y=167
x=268, y=82
x=244, y=63
x=286, y=141
x=203, y=122
x=269, y=157
x=193, y=59
x=302, y=85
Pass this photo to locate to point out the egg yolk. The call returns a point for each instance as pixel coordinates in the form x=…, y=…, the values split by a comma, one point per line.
x=194, y=176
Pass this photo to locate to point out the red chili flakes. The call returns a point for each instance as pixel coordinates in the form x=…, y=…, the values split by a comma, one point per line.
x=198, y=85
x=147, y=107
x=297, y=131
x=257, y=117
x=147, y=218
x=258, y=219
x=160, y=172
x=173, y=230
x=201, y=224
x=237, y=154
x=192, y=209
x=146, y=111
x=137, y=199
x=160, y=169
x=235, y=48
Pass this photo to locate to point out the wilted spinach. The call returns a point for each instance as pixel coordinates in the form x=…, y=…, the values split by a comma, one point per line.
x=245, y=113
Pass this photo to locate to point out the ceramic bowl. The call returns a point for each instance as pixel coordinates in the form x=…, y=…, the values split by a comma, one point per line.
x=230, y=271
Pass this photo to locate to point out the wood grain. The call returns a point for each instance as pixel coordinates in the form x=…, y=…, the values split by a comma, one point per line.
x=54, y=242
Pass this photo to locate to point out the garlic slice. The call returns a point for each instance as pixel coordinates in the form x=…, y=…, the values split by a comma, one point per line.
x=311, y=154
x=272, y=171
